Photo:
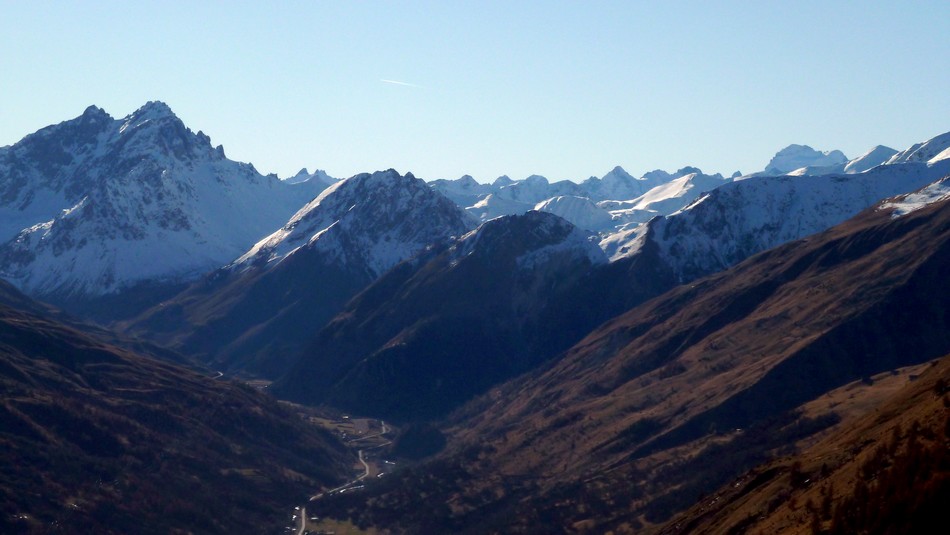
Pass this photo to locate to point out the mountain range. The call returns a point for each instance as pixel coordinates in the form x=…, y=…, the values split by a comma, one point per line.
x=593, y=354
x=406, y=347
x=686, y=392
x=434, y=332
x=255, y=313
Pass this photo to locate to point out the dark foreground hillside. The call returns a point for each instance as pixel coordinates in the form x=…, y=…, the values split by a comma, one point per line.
x=94, y=439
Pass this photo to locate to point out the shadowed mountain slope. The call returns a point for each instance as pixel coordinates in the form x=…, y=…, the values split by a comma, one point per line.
x=436, y=331
x=256, y=314
x=685, y=392
x=95, y=439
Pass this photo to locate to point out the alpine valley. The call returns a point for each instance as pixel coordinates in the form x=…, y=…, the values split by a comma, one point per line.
x=189, y=346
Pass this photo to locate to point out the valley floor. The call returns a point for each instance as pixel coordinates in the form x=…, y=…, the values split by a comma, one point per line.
x=366, y=439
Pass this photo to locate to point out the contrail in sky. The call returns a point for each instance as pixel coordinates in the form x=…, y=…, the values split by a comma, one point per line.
x=397, y=82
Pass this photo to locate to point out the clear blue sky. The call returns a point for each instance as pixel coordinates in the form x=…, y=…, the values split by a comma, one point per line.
x=562, y=89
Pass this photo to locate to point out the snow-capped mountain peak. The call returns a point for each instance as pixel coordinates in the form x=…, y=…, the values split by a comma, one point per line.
x=580, y=211
x=302, y=176
x=795, y=157
x=153, y=110
x=924, y=151
x=319, y=176
x=739, y=219
x=618, y=173
x=94, y=205
x=95, y=113
x=503, y=180
x=532, y=238
x=911, y=202
x=369, y=222
x=872, y=158
x=617, y=184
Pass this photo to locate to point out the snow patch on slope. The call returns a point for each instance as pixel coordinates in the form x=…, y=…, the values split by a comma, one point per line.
x=126, y=201
x=905, y=204
x=870, y=159
x=577, y=244
x=368, y=222
x=580, y=211
x=625, y=242
x=924, y=151
x=674, y=195
x=534, y=239
x=795, y=157
x=494, y=206
x=740, y=219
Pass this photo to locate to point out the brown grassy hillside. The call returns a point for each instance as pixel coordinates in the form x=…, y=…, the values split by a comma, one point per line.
x=887, y=472
x=95, y=439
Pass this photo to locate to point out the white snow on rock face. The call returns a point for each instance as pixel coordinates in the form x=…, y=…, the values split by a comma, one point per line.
x=943, y=155
x=319, y=177
x=674, y=195
x=624, y=242
x=573, y=243
x=535, y=189
x=105, y=204
x=874, y=157
x=932, y=193
x=925, y=151
x=619, y=185
x=368, y=222
x=494, y=206
x=795, y=157
x=684, y=187
x=737, y=220
x=44, y=173
x=615, y=191
x=756, y=212
x=870, y=159
x=580, y=211
x=542, y=238
x=504, y=196
x=465, y=191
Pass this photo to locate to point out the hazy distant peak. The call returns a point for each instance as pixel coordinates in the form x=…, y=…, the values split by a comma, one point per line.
x=617, y=173
x=154, y=116
x=503, y=180
x=872, y=158
x=796, y=156
x=94, y=112
x=319, y=176
x=467, y=180
x=580, y=211
x=688, y=170
x=538, y=232
x=658, y=175
x=618, y=170
x=152, y=110
x=923, y=152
